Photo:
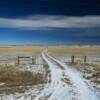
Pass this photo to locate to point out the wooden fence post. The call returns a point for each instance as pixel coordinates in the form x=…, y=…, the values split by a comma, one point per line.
x=72, y=59
x=33, y=60
x=18, y=60
x=84, y=59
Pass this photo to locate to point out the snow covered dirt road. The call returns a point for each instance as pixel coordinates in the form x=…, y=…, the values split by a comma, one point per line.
x=66, y=83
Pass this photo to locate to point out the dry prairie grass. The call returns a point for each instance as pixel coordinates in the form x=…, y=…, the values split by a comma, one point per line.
x=90, y=72
x=53, y=49
x=74, y=49
x=12, y=78
x=21, y=49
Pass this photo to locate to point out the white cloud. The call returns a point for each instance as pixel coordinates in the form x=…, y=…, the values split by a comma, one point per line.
x=49, y=22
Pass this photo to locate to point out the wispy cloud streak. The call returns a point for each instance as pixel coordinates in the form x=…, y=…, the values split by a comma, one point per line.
x=49, y=22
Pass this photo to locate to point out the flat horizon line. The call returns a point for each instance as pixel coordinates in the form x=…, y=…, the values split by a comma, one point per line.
x=4, y=45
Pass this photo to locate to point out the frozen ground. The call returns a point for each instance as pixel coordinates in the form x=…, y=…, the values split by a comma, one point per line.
x=65, y=83
x=29, y=94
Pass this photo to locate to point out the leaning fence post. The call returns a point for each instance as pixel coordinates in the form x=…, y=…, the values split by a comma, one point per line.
x=72, y=59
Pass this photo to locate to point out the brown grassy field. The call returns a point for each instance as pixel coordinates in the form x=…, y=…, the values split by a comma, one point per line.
x=11, y=77
x=21, y=49
x=53, y=49
x=75, y=49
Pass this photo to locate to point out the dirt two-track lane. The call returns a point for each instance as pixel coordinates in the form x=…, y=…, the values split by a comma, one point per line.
x=66, y=83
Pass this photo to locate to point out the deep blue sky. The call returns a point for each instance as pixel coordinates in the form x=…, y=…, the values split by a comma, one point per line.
x=13, y=9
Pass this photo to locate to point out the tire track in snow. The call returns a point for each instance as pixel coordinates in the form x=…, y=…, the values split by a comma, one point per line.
x=77, y=79
x=58, y=89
